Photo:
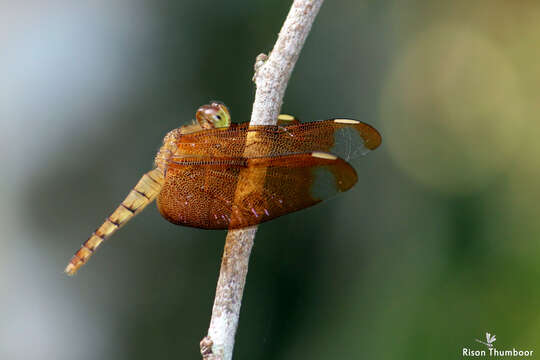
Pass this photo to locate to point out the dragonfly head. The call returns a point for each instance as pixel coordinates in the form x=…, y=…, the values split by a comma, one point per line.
x=213, y=115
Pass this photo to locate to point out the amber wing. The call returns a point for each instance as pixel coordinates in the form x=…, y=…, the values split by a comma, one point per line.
x=204, y=193
x=345, y=138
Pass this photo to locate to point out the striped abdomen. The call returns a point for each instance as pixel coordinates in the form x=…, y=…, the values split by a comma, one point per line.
x=141, y=195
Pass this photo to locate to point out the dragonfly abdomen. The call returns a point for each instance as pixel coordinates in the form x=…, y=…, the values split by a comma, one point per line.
x=138, y=198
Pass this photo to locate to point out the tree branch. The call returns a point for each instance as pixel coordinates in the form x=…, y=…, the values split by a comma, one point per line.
x=272, y=74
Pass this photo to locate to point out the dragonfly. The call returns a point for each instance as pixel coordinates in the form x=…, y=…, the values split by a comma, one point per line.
x=215, y=174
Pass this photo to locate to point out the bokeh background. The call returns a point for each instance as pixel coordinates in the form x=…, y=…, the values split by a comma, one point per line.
x=437, y=244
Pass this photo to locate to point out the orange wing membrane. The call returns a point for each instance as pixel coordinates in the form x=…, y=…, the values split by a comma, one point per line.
x=205, y=175
x=202, y=193
x=345, y=138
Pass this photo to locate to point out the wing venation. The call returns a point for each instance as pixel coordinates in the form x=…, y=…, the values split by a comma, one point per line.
x=345, y=138
x=225, y=195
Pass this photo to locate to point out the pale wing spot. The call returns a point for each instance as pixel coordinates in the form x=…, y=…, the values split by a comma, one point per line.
x=346, y=121
x=323, y=155
x=286, y=117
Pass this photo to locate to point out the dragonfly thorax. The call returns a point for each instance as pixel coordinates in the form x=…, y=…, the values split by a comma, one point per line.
x=168, y=149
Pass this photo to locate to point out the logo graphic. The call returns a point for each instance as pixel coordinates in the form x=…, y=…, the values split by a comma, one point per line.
x=491, y=351
x=490, y=339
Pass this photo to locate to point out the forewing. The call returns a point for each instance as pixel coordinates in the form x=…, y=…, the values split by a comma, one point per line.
x=238, y=192
x=344, y=137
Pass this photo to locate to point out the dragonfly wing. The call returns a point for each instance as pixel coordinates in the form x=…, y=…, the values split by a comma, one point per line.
x=287, y=120
x=240, y=192
x=346, y=138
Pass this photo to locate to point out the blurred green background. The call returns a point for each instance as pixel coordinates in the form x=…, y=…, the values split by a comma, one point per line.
x=437, y=244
